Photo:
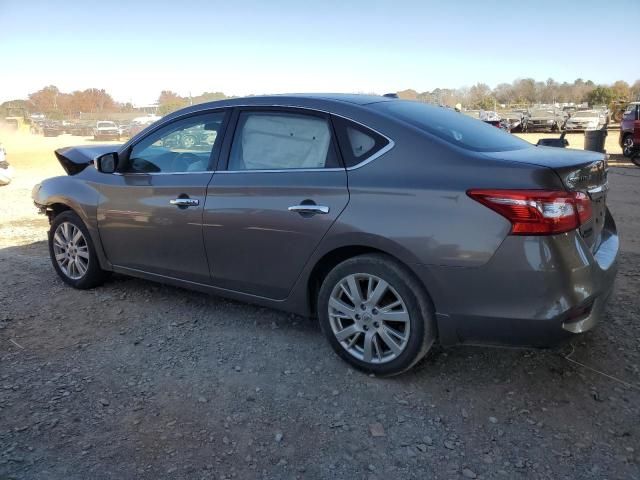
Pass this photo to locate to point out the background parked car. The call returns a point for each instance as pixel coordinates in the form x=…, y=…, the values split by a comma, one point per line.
x=52, y=129
x=6, y=171
x=124, y=129
x=515, y=120
x=80, y=129
x=191, y=138
x=487, y=116
x=586, y=120
x=106, y=130
x=548, y=118
x=630, y=129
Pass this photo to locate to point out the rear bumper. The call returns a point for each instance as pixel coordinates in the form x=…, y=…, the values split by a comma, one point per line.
x=535, y=291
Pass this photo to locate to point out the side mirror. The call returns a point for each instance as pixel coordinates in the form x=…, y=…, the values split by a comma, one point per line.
x=107, y=163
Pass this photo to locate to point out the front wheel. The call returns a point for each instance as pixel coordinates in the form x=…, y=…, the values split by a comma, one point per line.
x=375, y=315
x=72, y=252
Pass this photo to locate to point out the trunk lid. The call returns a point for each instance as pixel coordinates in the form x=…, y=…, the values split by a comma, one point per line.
x=579, y=170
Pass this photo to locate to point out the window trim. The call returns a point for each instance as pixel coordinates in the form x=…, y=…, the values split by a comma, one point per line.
x=233, y=127
x=214, y=156
x=345, y=144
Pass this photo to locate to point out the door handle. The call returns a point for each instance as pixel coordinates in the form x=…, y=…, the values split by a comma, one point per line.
x=309, y=209
x=185, y=202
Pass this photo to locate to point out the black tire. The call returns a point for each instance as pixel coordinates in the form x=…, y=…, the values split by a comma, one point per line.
x=419, y=307
x=94, y=275
x=627, y=151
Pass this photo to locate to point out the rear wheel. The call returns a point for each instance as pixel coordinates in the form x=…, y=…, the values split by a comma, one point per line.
x=72, y=252
x=627, y=145
x=375, y=315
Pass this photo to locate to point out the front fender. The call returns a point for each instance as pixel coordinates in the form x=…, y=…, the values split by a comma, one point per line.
x=79, y=196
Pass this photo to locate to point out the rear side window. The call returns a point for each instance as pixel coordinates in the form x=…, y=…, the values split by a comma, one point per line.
x=282, y=141
x=452, y=127
x=357, y=143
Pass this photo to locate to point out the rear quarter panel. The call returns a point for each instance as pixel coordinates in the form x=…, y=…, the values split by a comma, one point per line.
x=414, y=200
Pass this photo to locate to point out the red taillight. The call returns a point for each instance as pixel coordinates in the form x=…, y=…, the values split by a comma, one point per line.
x=537, y=212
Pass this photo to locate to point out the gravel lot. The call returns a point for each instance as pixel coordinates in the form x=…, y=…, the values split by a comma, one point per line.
x=135, y=380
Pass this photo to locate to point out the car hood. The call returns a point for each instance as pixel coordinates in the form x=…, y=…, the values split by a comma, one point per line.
x=76, y=159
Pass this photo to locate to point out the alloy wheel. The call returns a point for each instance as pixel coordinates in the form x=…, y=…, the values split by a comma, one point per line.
x=627, y=145
x=188, y=141
x=369, y=318
x=71, y=250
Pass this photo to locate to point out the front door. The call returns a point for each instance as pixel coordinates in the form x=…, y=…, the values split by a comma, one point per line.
x=283, y=188
x=150, y=212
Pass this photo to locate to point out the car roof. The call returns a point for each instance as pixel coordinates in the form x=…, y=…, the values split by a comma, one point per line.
x=291, y=99
x=321, y=101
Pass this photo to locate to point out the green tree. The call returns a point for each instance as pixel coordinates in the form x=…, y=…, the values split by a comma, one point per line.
x=169, y=101
x=600, y=95
x=621, y=90
x=635, y=91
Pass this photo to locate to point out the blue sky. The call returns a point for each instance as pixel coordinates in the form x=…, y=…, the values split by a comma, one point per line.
x=134, y=49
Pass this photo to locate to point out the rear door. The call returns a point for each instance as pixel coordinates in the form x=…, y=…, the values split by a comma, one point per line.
x=283, y=187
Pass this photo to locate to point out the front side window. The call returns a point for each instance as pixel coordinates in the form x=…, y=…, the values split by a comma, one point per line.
x=185, y=145
x=281, y=141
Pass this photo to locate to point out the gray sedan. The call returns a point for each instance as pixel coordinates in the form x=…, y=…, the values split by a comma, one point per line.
x=395, y=223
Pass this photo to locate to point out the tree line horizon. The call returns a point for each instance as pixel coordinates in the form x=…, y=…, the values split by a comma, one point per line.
x=57, y=104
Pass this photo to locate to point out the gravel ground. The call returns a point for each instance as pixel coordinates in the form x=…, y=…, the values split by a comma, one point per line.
x=136, y=380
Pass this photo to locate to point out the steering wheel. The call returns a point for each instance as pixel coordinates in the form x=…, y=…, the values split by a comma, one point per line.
x=182, y=161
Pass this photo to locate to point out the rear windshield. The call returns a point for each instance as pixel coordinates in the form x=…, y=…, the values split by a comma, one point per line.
x=453, y=127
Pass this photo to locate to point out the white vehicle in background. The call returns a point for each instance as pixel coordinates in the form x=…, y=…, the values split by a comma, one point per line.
x=140, y=123
x=586, y=120
x=6, y=171
x=106, y=130
x=146, y=119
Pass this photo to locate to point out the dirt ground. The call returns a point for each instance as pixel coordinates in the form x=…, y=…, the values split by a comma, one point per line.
x=136, y=380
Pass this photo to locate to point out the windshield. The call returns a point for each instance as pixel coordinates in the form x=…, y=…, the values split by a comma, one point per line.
x=452, y=127
x=106, y=124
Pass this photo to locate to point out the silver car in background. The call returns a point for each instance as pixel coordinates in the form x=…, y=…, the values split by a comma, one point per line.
x=582, y=120
x=396, y=224
x=545, y=119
